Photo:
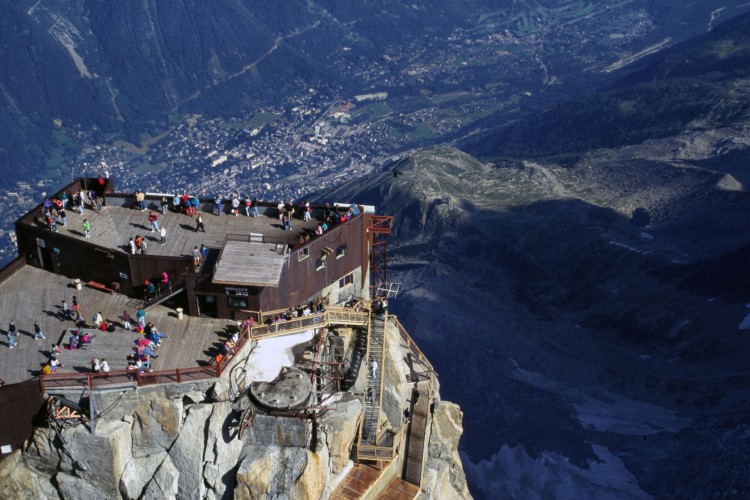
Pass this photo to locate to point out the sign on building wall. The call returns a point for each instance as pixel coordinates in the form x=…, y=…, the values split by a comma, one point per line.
x=237, y=291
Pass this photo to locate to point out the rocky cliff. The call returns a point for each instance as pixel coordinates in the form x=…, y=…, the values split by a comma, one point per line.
x=184, y=441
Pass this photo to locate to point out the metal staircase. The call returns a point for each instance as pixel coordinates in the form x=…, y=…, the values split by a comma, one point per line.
x=166, y=292
x=375, y=352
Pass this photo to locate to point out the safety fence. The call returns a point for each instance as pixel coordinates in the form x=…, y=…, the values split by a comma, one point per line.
x=217, y=364
x=140, y=377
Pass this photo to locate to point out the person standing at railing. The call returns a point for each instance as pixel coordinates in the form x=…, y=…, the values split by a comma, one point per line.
x=105, y=366
x=196, y=258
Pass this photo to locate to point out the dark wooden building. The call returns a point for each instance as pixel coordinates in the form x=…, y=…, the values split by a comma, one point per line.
x=253, y=264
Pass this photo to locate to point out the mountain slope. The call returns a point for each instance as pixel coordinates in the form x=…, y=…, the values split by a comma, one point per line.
x=698, y=84
x=127, y=67
x=561, y=326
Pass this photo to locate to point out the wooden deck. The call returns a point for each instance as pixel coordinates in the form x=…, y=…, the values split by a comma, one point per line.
x=398, y=489
x=359, y=479
x=114, y=226
x=33, y=294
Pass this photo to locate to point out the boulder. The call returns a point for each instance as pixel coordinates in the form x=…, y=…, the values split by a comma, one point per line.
x=156, y=424
x=138, y=472
x=18, y=478
x=253, y=477
x=223, y=448
x=310, y=485
x=165, y=483
x=270, y=470
x=101, y=457
x=220, y=390
x=77, y=488
x=341, y=426
x=187, y=452
x=444, y=475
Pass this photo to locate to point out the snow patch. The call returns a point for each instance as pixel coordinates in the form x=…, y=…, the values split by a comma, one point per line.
x=628, y=247
x=512, y=473
x=745, y=325
x=606, y=411
x=271, y=355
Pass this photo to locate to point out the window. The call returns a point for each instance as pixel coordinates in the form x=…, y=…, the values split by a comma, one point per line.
x=237, y=302
x=346, y=280
x=303, y=253
x=341, y=251
x=321, y=263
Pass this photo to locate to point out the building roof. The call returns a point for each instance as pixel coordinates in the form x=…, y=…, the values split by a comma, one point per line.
x=250, y=264
x=114, y=226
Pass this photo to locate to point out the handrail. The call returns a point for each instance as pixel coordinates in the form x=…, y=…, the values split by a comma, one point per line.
x=411, y=345
x=367, y=451
x=289, y=326
x=173, y=288
x=97, y=380
x=378, y=431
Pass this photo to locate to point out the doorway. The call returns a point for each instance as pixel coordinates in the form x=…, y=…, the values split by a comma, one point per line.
x=207, y=306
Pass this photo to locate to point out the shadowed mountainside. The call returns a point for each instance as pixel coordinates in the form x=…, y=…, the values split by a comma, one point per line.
x=582, y=353
x=127, y=67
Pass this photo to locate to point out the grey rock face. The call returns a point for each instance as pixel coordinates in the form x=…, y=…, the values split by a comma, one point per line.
x=76, y=488
x=137, y=474
x=341, y=427
x=222, y=450
x=187, y=452
x=444, y=475
x=165, y=483
x=156, y=425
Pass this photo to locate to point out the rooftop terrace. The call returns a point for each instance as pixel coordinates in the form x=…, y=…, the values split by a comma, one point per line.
x=114, y=225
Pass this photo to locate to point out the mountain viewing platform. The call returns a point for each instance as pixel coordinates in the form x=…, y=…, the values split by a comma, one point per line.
x=115, y=223
x=32, y=294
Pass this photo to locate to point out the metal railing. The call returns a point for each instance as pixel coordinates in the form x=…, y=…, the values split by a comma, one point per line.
x=164, y=292
x=124, y=377
x=412, y=346
x=332, y=316
x=369, y=452
x=211, y=371
x=142, y=378
x=288, y=326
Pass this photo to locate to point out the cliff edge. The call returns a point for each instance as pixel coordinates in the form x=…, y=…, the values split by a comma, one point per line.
x=195, y=441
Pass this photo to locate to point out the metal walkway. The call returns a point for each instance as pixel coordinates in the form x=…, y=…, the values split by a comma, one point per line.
x=368, y=435
x=417, y=432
